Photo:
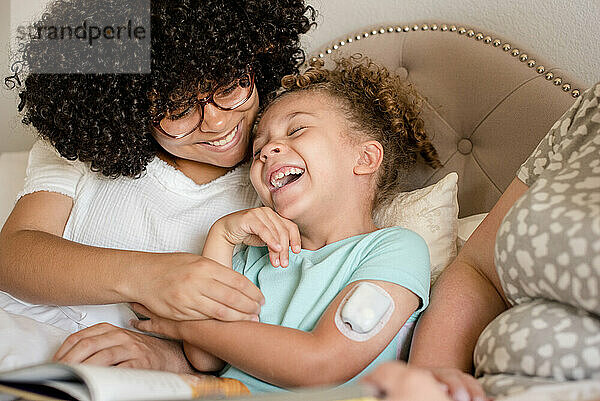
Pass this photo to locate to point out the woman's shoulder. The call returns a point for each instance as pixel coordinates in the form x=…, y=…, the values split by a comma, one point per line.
x=581, y=123
x=42, y=153
x=48, y=171
x=577, y=132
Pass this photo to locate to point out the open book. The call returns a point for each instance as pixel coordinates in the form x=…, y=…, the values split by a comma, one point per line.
x=55, y=381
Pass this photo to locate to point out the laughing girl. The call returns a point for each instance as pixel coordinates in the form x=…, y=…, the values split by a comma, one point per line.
x=327, y=151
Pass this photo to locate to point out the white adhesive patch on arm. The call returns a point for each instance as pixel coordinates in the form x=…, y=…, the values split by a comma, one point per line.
x=364, y=311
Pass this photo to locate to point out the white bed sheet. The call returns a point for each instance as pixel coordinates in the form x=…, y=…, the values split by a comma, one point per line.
x=24, y=341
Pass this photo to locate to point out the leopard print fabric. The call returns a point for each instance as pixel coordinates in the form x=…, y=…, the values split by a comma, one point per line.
x=547, y=256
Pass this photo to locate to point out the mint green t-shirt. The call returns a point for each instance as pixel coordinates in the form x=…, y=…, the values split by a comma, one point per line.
x=298, y=295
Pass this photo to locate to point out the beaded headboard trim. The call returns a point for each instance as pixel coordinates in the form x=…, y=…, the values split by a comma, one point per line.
x=469, y=33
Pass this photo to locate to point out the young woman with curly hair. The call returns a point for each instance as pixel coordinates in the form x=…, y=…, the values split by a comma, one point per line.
x=131, y=172
x=325, y=154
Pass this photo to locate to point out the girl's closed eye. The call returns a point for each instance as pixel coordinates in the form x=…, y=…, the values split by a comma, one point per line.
x=296, y=130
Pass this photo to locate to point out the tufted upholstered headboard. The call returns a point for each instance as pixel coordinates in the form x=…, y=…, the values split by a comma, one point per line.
x=489, y=101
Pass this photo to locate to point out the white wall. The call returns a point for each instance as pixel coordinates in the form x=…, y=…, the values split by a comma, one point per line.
x=13, y=135
x=564, y=33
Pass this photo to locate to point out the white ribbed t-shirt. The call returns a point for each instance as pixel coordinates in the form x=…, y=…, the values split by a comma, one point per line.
x=162, y=211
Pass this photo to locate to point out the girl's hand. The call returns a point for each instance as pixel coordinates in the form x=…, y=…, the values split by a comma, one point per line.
x=106, y=345
x=185, y=286
x=156, y=324
x=200, y=359
x=262, y=226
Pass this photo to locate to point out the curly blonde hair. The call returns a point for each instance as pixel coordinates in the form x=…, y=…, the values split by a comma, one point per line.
x=381, y=106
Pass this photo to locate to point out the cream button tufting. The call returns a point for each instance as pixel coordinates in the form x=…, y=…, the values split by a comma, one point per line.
x=402, y=73
x=465, y=146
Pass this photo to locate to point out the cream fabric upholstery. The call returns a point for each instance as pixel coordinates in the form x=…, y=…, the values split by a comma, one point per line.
x=486, y=109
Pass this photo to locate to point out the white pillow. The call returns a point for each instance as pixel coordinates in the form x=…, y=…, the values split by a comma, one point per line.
x=466, y=227
x=12, y=177
x=431, y=212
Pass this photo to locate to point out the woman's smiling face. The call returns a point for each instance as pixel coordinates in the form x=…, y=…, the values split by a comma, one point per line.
x=303, y=158
x=222, y=139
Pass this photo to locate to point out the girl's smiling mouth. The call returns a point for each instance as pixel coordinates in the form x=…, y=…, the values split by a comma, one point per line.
x=283, y=176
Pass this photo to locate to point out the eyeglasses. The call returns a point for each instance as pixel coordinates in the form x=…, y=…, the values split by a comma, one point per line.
x=225, y=97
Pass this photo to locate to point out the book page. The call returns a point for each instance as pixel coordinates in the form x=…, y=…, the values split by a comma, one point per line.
x=37, y=373
x=109, y=384
x=74, y=389
x=32, y=392
x=96, y=383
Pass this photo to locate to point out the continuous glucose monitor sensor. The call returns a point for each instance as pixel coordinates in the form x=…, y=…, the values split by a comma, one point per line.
x=364, y=312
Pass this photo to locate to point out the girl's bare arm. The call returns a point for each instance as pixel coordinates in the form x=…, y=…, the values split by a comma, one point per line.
x=321, y=357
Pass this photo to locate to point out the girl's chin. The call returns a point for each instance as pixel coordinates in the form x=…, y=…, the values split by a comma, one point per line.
x=287, y=212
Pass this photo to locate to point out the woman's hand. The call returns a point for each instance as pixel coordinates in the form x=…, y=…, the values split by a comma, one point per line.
x=262, y=226
x=106, y=345
x=460, y=385
x=191, y=287
x=397, y=381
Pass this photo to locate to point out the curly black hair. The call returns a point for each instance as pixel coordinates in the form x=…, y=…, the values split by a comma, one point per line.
x=105, y=119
